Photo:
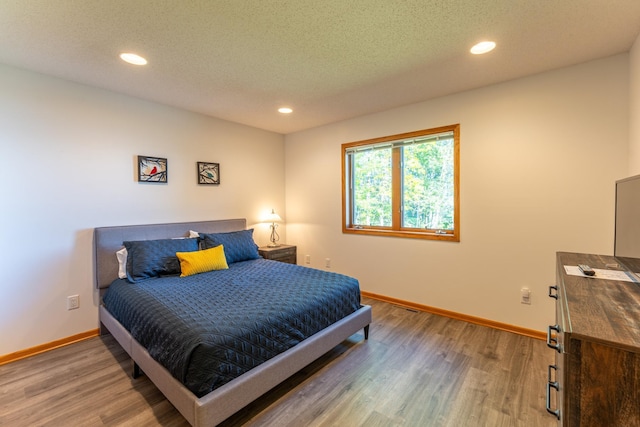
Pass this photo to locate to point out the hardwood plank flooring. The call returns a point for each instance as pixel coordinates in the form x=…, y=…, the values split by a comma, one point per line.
x=416, y=369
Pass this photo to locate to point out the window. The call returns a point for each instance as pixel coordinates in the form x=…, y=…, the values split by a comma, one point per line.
x=403, y=185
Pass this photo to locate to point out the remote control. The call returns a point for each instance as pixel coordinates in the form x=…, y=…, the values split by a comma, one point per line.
x=586, y=270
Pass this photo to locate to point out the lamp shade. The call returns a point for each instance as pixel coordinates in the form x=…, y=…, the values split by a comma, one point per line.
x=273, y=217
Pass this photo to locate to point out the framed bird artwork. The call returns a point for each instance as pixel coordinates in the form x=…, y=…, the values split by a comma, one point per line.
x=208, y=173
x=152, y=169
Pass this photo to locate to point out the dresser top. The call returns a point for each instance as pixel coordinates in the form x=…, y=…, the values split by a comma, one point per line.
x=280, y=247
x=600, y=310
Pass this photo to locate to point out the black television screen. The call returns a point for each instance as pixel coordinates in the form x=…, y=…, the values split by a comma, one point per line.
x=627, y=236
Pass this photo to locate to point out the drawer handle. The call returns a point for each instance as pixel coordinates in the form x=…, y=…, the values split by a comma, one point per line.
x=553, y=295
x=555, y=369
x=550, y=385
x=552, y=342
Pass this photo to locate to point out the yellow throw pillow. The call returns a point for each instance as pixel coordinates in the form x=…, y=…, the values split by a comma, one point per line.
x=202, y=261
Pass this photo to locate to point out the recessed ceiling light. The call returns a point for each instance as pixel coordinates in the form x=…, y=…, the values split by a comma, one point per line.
x=132, y=58
x=483, y=47
x=285, y=110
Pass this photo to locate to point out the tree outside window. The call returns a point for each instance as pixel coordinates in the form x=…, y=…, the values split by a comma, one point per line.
x=403, y=185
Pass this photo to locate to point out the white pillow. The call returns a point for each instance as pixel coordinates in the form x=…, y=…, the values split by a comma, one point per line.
x=193, y=234
x=122, y=263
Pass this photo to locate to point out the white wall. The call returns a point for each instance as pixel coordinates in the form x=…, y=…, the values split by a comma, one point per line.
x=68, y=164
x=539, y=158
x=634, y=109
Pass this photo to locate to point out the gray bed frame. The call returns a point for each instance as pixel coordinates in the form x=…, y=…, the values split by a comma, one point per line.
x=224, y=401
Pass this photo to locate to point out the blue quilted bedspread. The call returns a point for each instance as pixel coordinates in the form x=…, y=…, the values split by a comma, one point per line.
x=210, y=328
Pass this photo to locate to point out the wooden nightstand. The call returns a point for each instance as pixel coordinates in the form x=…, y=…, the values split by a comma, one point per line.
x=282, y=253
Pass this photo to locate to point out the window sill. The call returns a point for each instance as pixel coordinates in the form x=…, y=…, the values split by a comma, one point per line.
x=449, y=237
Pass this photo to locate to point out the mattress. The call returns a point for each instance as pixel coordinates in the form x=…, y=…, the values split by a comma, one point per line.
x=210, y=328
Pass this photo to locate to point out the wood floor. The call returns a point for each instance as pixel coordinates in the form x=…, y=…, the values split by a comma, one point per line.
x=416, y=369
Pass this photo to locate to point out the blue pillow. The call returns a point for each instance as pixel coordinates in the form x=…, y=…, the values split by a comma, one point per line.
x=238, y=245
x=153, y=258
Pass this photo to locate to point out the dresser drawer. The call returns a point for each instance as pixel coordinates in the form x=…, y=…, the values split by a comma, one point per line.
x=282, y=253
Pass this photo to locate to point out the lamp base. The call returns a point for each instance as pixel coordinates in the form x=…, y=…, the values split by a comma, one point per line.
x=273, y=239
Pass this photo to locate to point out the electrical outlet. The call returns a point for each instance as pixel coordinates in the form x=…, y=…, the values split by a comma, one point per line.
x=307, y=259
x=327, y=262
x=525, y=296
x=73, y=302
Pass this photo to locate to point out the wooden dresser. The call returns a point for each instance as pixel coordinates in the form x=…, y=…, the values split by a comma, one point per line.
x=596, y=377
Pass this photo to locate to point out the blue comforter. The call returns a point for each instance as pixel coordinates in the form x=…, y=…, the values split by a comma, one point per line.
x=210, y=328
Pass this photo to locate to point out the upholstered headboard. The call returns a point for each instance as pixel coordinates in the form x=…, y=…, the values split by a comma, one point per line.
x=107, y=240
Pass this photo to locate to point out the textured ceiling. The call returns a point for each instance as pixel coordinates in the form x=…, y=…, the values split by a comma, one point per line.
x=329, y=60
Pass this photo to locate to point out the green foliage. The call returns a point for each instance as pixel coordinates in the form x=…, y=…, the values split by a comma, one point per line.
x=372, y=189
x=427, y=186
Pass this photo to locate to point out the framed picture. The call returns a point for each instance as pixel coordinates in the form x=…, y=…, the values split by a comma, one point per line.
x=152, y=169
x=208, y=173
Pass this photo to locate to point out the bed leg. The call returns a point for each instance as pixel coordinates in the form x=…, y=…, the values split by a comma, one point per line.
x=136, y=371
x=366, y=332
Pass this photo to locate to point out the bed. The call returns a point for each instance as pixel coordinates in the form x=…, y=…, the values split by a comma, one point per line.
x=295, y=346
